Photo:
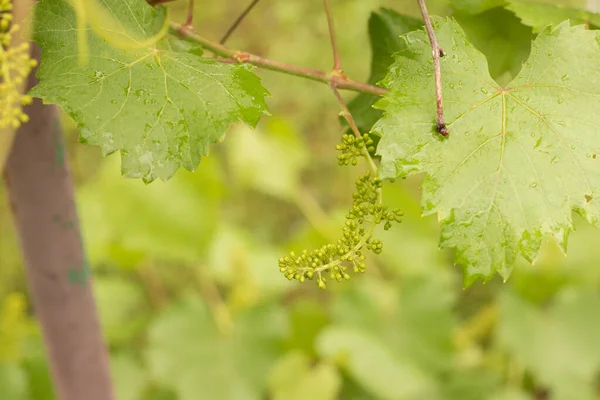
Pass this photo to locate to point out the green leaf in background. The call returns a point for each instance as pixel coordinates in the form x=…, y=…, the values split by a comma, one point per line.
x=539, y=15
x=270, y=159
x=411, y=338
x=372, y=365
x=160, y=108
x=559, y=345
x=501, y=37
x=385, y=28
x=518, y=159
x=293, y=378
x=125, y=221
x=186, y=351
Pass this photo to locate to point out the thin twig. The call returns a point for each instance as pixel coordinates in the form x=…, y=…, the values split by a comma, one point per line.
x=353, y=126
x=190, y=15
x=436, y=52
x=239, y=57
x=337, y=62
x=238, y=21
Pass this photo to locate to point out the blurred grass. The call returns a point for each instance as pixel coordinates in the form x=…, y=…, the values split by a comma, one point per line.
x=193, y=305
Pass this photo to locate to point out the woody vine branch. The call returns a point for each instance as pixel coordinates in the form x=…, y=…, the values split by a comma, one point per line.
x=335, y=79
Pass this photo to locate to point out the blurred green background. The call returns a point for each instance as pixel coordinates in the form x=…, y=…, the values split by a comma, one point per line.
x=193, y=305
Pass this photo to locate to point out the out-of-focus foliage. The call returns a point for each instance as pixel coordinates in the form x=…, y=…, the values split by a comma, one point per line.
x=193, y=304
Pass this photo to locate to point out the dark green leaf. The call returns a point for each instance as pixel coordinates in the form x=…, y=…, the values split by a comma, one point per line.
x=385, y=28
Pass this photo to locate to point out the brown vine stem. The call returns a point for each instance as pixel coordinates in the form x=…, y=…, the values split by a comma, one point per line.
x=436, y=53
x=240, y=57
x=238, y=21
x=337, y=61
x=190, y=16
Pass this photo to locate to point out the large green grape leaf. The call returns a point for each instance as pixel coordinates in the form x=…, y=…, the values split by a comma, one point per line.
x=539, y=15
x=160, y=107
x=518, y=159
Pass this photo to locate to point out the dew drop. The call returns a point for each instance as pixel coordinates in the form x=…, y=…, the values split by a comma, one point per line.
x=484, y=90
x=533, y=185
x=565, y=77
x=572, y=147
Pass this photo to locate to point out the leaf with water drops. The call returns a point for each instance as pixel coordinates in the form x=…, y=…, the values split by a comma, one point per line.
x=518, y=158
x=160, y=106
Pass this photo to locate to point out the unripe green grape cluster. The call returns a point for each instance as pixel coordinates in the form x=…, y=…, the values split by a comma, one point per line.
x=15, y=66
x=335, y=261
x=352, y=148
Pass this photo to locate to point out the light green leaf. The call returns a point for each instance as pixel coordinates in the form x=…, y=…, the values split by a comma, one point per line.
x=188, y=353
x=539, y=15
x=558, y=345
x=518, y=159
x=160, y=108
x=292, y=378
x=372, y=365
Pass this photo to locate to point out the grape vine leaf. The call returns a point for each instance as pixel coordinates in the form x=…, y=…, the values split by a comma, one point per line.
x=385, y=28
x=160, y=107
x=518, y=160
x=539, y=15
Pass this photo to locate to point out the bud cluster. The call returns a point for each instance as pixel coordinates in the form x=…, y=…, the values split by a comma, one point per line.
x=338, y=259
x=15, y=66
x=353, y=147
